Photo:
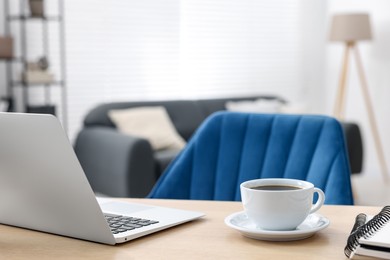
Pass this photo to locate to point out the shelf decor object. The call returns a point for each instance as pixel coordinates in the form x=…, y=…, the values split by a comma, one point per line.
x=350, y=29
x=4, y=105
x=38, y=73
x=45, y=109
x=6, y=47
x=37, y=77
x=36, y=8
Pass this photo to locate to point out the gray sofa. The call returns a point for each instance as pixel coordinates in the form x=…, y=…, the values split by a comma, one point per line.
x=120, y=165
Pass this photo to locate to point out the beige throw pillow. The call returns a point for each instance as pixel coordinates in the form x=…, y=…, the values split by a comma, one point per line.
x=151, y=123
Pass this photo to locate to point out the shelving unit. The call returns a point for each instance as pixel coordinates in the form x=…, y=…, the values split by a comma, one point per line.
x=19, y=64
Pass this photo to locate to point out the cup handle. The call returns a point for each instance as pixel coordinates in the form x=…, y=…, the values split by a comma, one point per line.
x=320, y=200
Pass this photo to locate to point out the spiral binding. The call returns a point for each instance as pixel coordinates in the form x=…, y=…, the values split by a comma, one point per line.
x=361, y=230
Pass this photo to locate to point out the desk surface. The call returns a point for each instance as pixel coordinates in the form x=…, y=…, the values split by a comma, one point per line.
x=207, y=238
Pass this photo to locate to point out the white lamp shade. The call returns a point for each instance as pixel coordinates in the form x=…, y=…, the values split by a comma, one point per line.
x=350, y=27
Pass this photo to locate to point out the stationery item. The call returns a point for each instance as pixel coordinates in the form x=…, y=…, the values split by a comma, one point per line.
x=44, y=188
x=312, y=224
x=370, y=236
x=279, y=203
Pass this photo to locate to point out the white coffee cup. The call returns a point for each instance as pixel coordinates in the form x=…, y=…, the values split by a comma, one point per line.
x=282, y=209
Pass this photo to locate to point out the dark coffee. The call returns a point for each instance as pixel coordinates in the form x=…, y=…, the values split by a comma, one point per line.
x=276, y=187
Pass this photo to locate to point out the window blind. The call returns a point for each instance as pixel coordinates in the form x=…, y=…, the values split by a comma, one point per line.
x=152, y=49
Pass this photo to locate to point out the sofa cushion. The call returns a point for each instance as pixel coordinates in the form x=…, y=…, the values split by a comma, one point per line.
x=255, y=106
x=151, y=123
x=186, y=115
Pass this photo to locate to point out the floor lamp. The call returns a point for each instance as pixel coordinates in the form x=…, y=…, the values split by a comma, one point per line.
x=351, y=28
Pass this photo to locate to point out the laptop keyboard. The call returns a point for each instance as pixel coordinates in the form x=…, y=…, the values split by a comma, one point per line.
x=119, y=224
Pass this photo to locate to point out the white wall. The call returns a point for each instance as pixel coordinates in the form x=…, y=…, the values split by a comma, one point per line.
x=314, y=22
x=376, y=61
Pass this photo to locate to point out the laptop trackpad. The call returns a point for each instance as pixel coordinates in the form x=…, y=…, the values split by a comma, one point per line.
x=122, y=208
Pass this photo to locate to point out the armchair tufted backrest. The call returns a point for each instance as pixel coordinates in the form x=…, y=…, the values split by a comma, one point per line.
x=229, y=148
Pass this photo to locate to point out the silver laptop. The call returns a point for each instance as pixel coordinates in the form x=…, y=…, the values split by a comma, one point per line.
x=43, y=187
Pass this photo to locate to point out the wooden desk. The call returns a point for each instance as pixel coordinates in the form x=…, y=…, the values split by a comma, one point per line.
x=207, y=238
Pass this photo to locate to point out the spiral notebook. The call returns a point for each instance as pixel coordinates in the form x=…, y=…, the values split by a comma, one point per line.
x=370, y=236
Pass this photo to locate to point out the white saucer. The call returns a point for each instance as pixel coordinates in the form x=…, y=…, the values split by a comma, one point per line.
x=312, y=224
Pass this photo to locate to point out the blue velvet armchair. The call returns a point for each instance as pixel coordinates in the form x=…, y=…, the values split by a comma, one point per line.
x=230, y=148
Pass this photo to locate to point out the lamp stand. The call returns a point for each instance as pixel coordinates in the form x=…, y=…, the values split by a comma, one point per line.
x=339, y=108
